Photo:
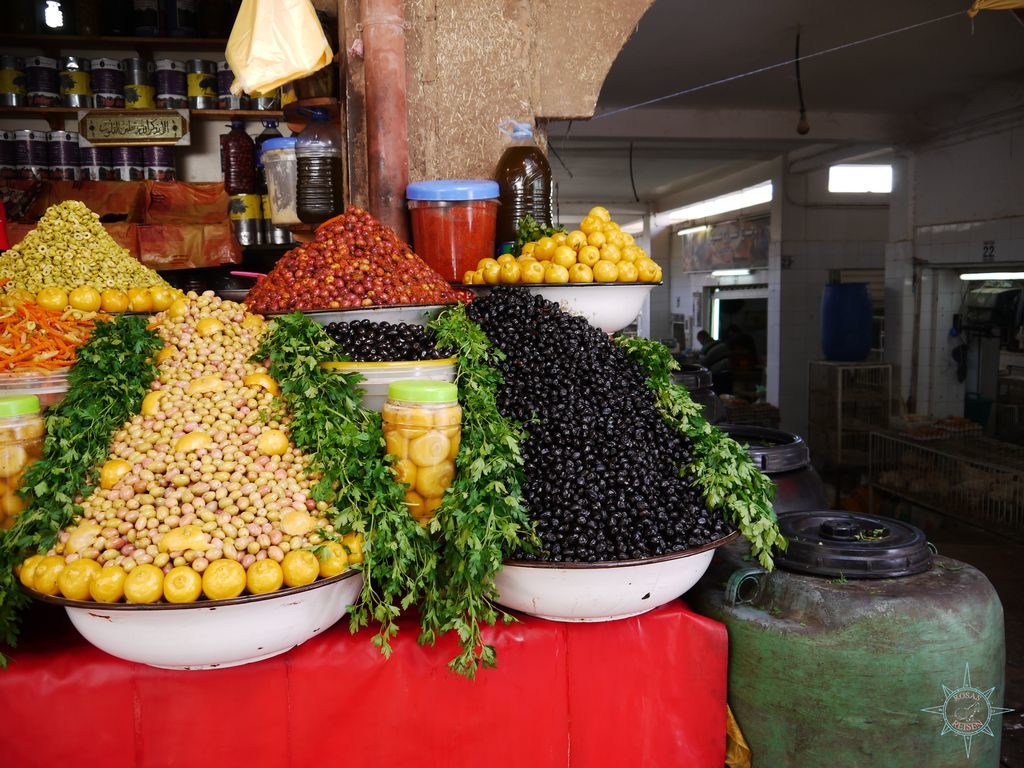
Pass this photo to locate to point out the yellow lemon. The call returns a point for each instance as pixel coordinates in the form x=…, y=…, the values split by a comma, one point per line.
x=353, y=543
x=576, y=239
x=85, y=298
x=555, y=273
x=564, y=256
x=52, y=298
x=44, y=579
x=300, y=568
x=532, y=272
x=178, y=308
x=28, y=570
x=182, y=584
x=139, y=300
x=107, y=586
x=528, y=249
x=467, y=278
x=76, y=577
x=606, y=272
x=262, y=380
x=264, y=576
x=165, y=354
x=112, y=472
x=205, y=384
x=646, y=269
x=253, y=322
x=590, y=224
x=589, y=255
x=151, y=403
x=208, y=326
x=144, y=585
x=336, y=561
x=596, y=238
x=510, y=272
x=223, y=579
x=162, y=297
x=114, y=301
x=273, y=442
x=505, y=258
x=580, y=273
x=631, y=253
x=627, y=272
x=193, y=441
x=545, y=248
x=600, y=213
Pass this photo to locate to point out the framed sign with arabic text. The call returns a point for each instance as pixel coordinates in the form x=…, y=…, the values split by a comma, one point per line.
x=137, y=127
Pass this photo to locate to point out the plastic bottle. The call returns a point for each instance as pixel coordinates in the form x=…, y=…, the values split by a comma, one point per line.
x=524, y=182
x=269, y=132
x=319, y=184
x=238, y=160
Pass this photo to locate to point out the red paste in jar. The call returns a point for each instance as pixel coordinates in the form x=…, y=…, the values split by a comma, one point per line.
x=452, y=236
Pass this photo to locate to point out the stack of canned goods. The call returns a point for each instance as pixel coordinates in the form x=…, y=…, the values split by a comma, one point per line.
x=36, y=155
x=171, y=84
x=108, y=83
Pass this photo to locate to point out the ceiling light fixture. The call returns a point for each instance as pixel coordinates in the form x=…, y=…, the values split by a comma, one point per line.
x=730, y=273
x=992, y=276
x=694, y=230
x=734, y=201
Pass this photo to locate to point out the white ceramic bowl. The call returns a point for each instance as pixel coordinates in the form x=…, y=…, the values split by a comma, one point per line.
x=608, y=306
x=209, y=634
x=413, y=314
x=377, y=377
x=593, y=592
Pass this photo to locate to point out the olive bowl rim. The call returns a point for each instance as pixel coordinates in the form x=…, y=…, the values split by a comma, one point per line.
x=578, y=566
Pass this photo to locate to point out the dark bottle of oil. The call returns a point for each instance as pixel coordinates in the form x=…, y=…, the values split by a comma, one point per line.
x=319, y=183
x=524, y=184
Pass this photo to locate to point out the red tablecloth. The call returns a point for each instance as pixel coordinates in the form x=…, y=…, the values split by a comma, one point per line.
x=648, y=691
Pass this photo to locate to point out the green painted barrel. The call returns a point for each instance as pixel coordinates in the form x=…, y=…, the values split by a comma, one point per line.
x=851, y=666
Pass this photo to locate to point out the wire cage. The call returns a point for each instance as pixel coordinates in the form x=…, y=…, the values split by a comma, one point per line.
x=848, y=401
x=972, y=478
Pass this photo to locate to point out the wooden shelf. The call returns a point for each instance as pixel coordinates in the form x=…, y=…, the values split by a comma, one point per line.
x=49, y=42
x=54, y=115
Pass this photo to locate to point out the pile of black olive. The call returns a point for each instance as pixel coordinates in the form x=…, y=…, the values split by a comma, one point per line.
x=603, y=469
x=368, y=342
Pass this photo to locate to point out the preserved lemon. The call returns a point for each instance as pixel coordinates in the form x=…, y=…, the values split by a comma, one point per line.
x=112, y=472
x=433, y=481
x=209, y=326
x=44, y=578
x=193, y=441
x=273, y=442
x=151, y=403
x=52, y=298
x=114, y=301
x=223, y=579
x=28, y=570
x=75, y=579
x=300, y=568
x=144, y=585
x=182, y=584
x=432, y=448
x=336, y=562
x=85, y=298
x=264, y=576
x=108, y=585
x=262, y=380
x=353, y=543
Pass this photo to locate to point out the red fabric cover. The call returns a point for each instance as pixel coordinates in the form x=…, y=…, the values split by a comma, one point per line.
x=647, y=691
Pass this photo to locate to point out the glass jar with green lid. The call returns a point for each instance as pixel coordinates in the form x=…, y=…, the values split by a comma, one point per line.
x=422, y=423
x=21, y=443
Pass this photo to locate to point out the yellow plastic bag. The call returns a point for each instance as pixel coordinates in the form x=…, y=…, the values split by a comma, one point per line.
x=737, y=753
x=994, y=5
x=274, y=42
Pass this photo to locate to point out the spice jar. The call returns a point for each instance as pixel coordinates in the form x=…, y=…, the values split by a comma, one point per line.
x=453, y=223
x=21, y=443
x=422, y=423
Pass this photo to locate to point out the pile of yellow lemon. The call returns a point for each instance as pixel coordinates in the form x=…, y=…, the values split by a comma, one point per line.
x=89, y=299
x=598, y=252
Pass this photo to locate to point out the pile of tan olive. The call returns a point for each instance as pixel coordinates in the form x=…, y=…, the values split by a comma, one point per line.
x=203, y=493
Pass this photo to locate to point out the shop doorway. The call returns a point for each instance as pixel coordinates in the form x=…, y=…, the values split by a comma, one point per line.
x=739, y=318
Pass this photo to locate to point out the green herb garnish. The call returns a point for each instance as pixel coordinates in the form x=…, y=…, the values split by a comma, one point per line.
x=345, y=444
x=731, y=483
x=482, y=517
x=529, y=230
x=105, y=389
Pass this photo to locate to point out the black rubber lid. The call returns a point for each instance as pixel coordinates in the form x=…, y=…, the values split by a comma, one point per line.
x=771, y=450
x=850, y=545
x=692, y=376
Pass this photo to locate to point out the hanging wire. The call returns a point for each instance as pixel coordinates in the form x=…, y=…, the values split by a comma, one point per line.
x=632, y=179
x=770, y=67
x=802, y=126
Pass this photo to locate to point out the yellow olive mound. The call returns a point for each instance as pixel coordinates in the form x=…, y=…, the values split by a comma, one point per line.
x=335, y=562
x=108, y=585
x=223, y=579
x=44, y=579
x=182, y=584
x=144, y=585
x=300, y=568
x=77, y=576
x=264, y=576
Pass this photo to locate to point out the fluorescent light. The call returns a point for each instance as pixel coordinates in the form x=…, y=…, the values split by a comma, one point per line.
x=734, y=201
x=730, y=273
x=634, y=227
x=992, y=276
x=860, y=179
x=694, y=230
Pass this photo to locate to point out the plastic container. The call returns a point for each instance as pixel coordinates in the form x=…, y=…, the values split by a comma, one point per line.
x=238, y=160
x=281, y=170
x=453, y=223
x=319, y=194
x=524, y=179
x=377, y=377
x=422, y=422
x=75, y=81
x=12, y=81
x=21, y=442
x=49, y=387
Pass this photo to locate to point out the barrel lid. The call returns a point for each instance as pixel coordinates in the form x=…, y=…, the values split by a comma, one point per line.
x=453, y=189
x=851, y=545
x=771, y=450
x=693, y=376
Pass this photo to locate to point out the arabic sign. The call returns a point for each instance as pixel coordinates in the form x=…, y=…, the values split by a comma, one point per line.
x=139, y=127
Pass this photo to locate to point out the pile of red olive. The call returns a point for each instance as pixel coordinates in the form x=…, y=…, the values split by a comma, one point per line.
x=354, y=261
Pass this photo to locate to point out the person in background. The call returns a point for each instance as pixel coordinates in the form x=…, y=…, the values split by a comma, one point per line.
x=714, y=355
